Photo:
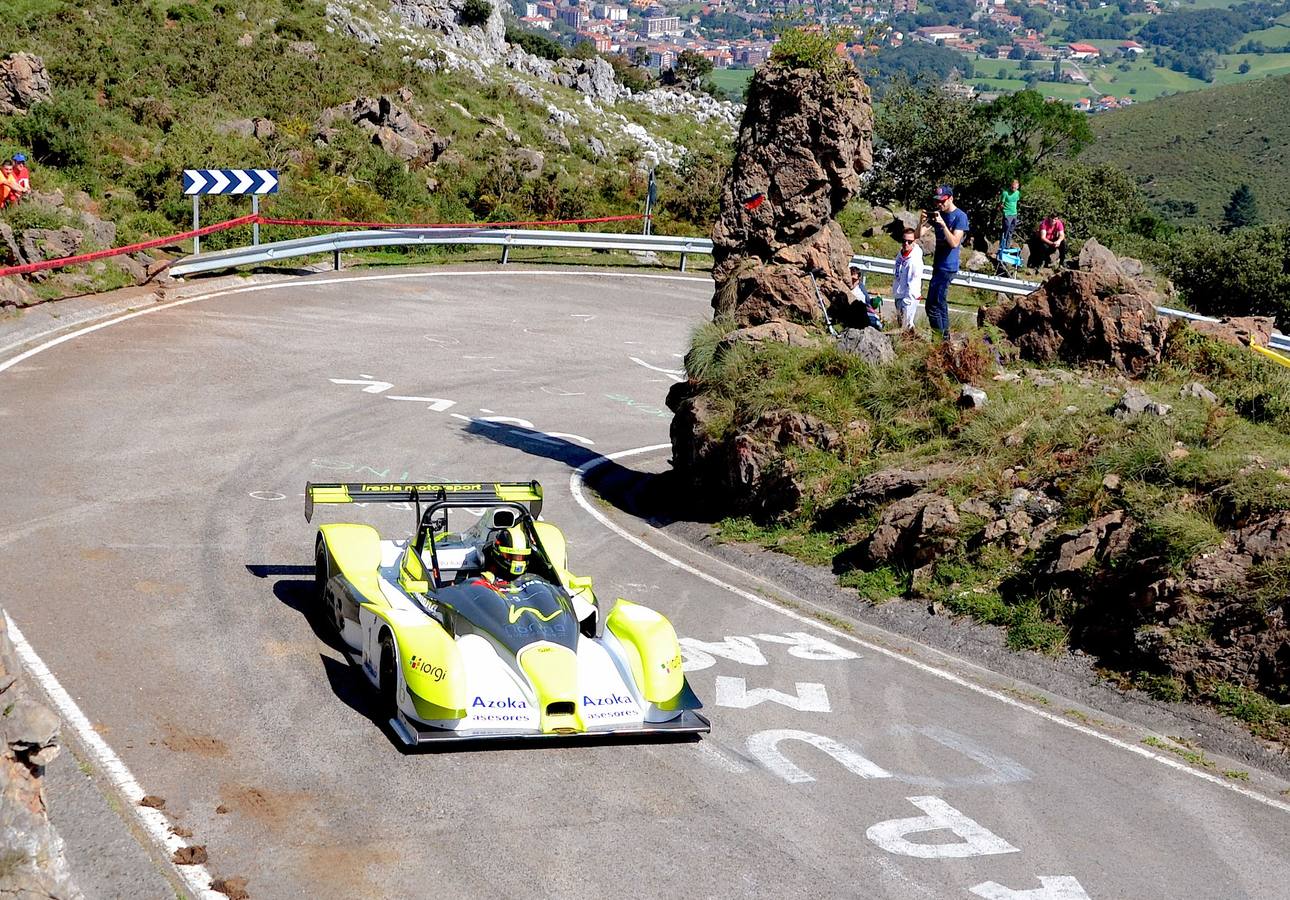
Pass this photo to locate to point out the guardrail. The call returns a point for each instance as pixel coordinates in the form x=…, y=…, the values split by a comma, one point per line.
x=509, y=239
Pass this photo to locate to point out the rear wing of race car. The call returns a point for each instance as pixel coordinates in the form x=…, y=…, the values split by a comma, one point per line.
x=529, y=492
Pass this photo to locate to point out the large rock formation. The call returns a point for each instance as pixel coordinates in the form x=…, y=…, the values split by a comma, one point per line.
x=392, y=128
x=23, y=83
x=31, y=852
x=804, y=142
x=1077, y=316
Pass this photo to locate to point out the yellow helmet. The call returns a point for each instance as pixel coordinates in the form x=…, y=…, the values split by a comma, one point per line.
x=508, y=552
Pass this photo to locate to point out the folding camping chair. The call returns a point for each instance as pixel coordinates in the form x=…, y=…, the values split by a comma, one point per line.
x=1007, y=262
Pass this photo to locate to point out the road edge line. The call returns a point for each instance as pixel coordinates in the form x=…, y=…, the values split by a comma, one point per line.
x=575, y=486
x=196, y=877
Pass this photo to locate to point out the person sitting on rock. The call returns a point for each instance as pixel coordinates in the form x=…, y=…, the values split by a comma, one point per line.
x=10, y=191
x=1050, y=238
x=22, y=173
x=864, y=300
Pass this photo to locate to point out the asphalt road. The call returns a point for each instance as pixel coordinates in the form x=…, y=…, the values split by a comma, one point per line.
x=157, y=558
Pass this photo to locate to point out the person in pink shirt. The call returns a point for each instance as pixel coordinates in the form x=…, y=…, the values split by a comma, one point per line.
x=1052, y=238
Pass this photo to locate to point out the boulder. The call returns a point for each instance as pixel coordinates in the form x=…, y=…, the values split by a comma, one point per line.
x=771, y=332
x=972, y=397
x=101, y=233
x=307, y=49
x=869, y=344
x=978, y=262
x=789, y=180
x=1136, y=402
x=238, y=127
x=23, y=83
x=1105, y=537
x=263, y=128
x=16, y=292
x=1237, y=330
x=1199, y=391
x=1093, y=257
x=1080, y=316
x=39, y=244
x=913, y=532
x=529, y=162
x=881, y=487
x=392, y=128
x=10, y=255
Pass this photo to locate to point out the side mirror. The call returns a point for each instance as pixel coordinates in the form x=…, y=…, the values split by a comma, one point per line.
x=503, y=518
x=412, y=585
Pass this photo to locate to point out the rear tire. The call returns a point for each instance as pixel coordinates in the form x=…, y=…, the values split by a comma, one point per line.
x=389, y=680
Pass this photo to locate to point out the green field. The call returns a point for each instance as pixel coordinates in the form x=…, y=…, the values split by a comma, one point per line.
x=731, y=81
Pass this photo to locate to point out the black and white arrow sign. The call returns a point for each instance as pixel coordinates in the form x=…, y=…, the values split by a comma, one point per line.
x=230, y=181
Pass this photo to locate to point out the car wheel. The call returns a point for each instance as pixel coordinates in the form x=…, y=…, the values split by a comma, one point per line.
x=324, y=606
x=389, y=685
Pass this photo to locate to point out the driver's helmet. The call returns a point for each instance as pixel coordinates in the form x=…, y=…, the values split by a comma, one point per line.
x=507, y=553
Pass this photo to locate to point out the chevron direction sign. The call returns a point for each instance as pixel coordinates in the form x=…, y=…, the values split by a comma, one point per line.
x=230, y=181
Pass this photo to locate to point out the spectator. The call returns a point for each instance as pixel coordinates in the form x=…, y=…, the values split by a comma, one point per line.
x=951, y=226
x=907, y=280
x=866, y=302
x=22, y=173
x=1051, y=237
x=1008, y=201
x=10, y=192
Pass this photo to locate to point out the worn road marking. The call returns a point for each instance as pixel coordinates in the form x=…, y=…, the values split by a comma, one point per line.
x=579, y=495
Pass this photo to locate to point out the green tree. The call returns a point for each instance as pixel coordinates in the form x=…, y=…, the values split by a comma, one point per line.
x=1033, y=132
x=1242, y=209
x=689, y=69
x=1237, y=275
x=640, y=56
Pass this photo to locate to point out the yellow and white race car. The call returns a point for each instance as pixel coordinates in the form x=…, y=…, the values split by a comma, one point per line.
x=483, y=632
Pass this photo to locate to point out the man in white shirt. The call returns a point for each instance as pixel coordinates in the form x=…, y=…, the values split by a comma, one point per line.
x=907, y=282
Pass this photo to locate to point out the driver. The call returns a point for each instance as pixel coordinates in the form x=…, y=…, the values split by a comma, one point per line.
x=506, y=557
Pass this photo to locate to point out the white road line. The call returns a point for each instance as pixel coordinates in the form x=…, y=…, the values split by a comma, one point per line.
x=153, y=821
x=576, y=481
x=670, y=373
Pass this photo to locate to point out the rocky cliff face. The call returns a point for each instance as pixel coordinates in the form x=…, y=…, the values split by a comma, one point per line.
x=31, y=852
x=803, y=144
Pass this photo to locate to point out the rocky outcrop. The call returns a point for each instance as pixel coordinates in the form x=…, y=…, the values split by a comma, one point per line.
x=1225, y=617
x=745, y=472
x=1237, y=330
x=31, y=850
x=392, y=128
x=23, y=83
x=1020, y=523
x=789, y=333
x=1136, y=402
x=1079, y=316
x=882, y=487
x=913, y=532
x=789, y=179
x=1106, y=537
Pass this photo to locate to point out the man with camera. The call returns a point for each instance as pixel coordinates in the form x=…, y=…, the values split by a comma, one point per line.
x=951, y=226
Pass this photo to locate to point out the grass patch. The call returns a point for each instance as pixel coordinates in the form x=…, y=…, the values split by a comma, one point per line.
x=1195, y=757
x=877, y=586
x=1161, y=687
x=1265, y=718
x=1236, y=774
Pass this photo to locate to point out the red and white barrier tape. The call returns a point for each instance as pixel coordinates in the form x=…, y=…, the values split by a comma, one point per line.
x=264, y=220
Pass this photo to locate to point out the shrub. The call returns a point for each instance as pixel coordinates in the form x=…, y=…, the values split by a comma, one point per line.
x=475, y=13
x=535, y=43
x=59, y=132
x=800, y=49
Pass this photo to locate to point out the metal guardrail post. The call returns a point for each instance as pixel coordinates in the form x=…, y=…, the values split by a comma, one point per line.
x=335, y=260
x=506, y=253
x=683, y=256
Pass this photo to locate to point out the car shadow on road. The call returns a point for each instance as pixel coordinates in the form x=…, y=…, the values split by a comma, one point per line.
x=656, y=497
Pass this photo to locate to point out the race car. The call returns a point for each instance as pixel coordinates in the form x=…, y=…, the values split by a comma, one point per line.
x=483, y=632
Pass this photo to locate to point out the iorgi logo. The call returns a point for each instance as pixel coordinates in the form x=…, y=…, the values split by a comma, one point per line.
x=420, y=488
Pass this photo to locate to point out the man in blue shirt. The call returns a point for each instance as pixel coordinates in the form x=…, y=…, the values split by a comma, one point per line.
x=951, y=225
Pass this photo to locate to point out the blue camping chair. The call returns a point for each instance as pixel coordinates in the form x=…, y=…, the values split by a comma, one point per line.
x=1007, y=262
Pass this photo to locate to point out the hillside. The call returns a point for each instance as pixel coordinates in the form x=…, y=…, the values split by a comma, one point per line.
x=1200, y=146
x=405, y=111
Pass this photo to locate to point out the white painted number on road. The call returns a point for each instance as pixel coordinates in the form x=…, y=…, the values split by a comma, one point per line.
x=764, y=745
x=373, y=386
x=808, y=646
x=1055, y=887
x=974, y=839
x=734, y=693
x=696, y=654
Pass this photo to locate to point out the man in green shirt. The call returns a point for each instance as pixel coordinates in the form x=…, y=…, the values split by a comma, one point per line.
x=1008, y=200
